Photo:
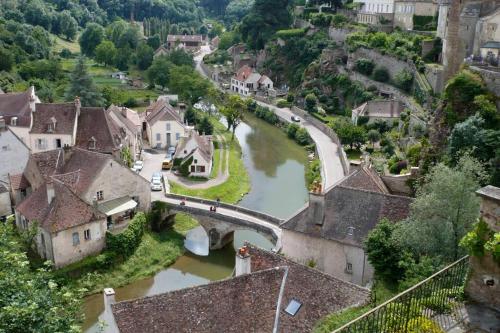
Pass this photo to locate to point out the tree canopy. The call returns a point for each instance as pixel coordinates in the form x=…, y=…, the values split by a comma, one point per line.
x=81, y=85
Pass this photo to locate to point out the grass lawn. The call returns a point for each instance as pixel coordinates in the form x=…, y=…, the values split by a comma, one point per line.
x=238, y=183
x=60, y=44
x=215, y=165
x=328, y=324
x=156, y=251
x=353, y=154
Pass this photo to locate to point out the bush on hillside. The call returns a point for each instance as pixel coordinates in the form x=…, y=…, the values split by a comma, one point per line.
x=381, y=74
x=365, y=66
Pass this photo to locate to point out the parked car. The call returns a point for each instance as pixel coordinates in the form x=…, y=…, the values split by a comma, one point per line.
x=167, y=163
x=157, y=176
x=171, y=151
x=296, y=119
x=156, y=185
x=138, y=165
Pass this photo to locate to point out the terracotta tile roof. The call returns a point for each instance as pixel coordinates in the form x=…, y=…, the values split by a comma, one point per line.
x=243, y=73
x=56, y=216
x=131, y=120
x=185, y=38
x=49, y=162
x=17, y=105
x=352, y=209
x=203, y=144
x=161, y=110
x=94, y=125
x=64, y=115
x=18, y=182
x=246, y=303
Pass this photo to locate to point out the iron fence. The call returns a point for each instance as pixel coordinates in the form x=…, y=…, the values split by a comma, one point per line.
x=435, y=301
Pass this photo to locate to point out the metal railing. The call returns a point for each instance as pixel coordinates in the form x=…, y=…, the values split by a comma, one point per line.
x=437, y=298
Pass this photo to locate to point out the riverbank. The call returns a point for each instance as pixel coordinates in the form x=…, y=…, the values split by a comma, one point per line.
x=238, y=182
x=156, y=251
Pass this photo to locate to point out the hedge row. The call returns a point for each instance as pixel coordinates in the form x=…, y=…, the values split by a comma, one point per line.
x=127, y=241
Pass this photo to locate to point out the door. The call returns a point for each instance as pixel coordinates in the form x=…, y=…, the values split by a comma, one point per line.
x=169, y=140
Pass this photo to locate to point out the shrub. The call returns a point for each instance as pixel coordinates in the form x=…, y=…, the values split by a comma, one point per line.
x=290, y=97
x=381, y=74
x=267, y=115
x=131, y=102
x=365, y=66
x=65, y=53
x=291, y=130
x=311, y=102
x=302, y=137
x=184, y=167
x=127, y=241
x=289, y=33
x=156, y=217
x=282, y=103
x=475, y=240
x=397, y=167
x=404, y=80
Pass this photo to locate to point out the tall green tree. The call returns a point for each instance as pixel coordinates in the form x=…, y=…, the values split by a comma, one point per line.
x=105, y=53
x=30, y=300
x=263, y=20
x=67, y=25
x=90, y=38
x=159, y=72
x=233, y=112
x=144, y=56
x=444, y=209
x=81, y=85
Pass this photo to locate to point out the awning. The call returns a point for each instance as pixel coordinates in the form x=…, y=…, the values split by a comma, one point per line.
x=116, y=206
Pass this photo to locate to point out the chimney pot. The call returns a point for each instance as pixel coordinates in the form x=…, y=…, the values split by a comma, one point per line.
x=243, y=262
x=50, y=192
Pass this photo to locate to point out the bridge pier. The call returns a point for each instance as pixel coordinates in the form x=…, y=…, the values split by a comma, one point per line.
x=218, y=240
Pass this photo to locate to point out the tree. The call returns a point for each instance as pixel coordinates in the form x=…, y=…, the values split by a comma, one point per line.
x=144, y=56
x=190, y=116
x=205, y=126
x=105, y=52
x=365, y=66
x=188, y=83
x=381, y=74
x=444, y=209
x=31, y=301
x=154, y=41
x=486, y=107
x=237, y=9
x=180, y=57
x=233, y=111
x=351, y=135
x=263, y=20
x=159, y=72
x=373, y=136
x=311, y=102
x=404, y=80
x=67, y=25
x=384, y=251
x=90, y=38
x=81, y=85
x=6, y=60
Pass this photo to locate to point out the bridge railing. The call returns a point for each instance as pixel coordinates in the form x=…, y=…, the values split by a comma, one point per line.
x=263, y=216
x=436, y=299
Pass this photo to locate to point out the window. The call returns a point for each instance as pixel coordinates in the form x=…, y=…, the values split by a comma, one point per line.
x=168, y=126
x=50, y=128
x=348, y=268
x=100, y=195
x=195, y=161
x=58, y=143
x=92, y=143
x=177, y=136
x=86, y=234
x=185, y=151
x=193, y=168
x=200, y=168
x=293, y=307
x=158, y=137
x=76, y=238
x=40, y=143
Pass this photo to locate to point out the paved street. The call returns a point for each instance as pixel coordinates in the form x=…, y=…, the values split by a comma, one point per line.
x=152, y=163
x=331, y=166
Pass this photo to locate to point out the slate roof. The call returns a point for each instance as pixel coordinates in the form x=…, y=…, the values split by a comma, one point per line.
x=203, y=144
x=161, y=110
x=17, y=105
x=489, y=191
x=246, y=303
x=49, y=162
x=63, y=113
x=94, y=124
x=185, y=38
x=352, y=208
x=18, y=182
x=56, y=216
x=491, y=45
x=3, y=189
x=131, y=120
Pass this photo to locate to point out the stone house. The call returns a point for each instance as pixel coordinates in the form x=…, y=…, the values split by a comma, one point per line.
x=330, y=231
x=247, y=81
x=160, y=51
x=375, y=11
x=270, y=293
x=16, y=108
x=385, y=110
x=487, y=35
x=406, y=11
x=128, y=122
x=188, y=42
x=164, y=125
x=200, y=149
x=77, y=195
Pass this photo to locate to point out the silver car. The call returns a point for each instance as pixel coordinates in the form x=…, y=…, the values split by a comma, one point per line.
x=156, y=185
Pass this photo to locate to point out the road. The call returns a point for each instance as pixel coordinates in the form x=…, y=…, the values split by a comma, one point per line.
x=331, y=166
x=232, y=213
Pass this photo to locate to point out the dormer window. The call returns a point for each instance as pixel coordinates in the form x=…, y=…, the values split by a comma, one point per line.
x=92, y=143
x=13, y=121
x=51, y=126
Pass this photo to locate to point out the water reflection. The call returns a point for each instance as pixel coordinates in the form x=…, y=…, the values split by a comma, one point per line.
x=197, y=241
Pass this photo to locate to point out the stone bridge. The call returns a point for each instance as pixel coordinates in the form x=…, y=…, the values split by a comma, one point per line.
x=220, y=225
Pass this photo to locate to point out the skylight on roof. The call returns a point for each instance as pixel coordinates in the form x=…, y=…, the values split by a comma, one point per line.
x=293, y=307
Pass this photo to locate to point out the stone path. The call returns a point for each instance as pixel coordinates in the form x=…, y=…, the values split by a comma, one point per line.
x=222, y=175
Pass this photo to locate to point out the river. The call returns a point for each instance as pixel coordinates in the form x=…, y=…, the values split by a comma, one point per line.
x=276, y=166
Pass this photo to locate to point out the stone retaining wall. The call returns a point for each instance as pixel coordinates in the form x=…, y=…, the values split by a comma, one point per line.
x=259, y=215
x=392, y=64
x=338, y=35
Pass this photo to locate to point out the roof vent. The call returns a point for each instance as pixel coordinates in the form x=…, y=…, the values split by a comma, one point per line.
x=293, y=307
x=350, y=231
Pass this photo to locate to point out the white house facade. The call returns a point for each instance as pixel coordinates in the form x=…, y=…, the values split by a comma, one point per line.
x=164, y=126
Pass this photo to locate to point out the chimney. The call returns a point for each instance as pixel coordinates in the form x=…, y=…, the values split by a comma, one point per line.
x=32, y=99
x=124, y=112
x=78, y=105
x=243, y=262
x=316, y=204
x=108, y=317
x=67, y=152
x=50, y=192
